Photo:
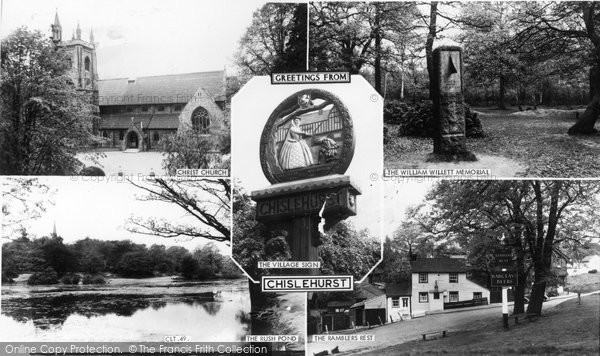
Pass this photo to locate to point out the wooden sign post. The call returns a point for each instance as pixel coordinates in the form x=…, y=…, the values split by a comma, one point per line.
x=503, y=259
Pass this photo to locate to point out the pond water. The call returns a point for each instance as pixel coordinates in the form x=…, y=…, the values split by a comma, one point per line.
x=126, y=310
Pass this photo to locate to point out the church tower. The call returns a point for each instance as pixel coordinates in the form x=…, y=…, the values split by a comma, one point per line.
x=82, y=57
x=82, y=61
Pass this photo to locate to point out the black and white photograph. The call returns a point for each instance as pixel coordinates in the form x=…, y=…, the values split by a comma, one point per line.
x=117, y=87
x=126, y=261
x=299, y=178
x=452, y=249
x=507, y=87
x=98, y=261
x=305, y=187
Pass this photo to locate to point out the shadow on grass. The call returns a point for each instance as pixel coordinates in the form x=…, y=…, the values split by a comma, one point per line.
x=536, y=140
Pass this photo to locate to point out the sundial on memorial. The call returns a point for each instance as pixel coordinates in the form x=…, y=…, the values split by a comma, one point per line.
x=310, y=134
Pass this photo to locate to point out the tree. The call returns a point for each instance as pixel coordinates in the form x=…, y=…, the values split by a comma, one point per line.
x=207, y=201
x=354, y=36
x=395, y=266
x=189, y=267
x=274, y=41
x=567, y=27
x=189, y=149
x=23, y=199
x=43, y=118
x=56, y=254
x=526, y=215
x=487, y=56
x=347, y=251
x=209, y=260
x=136, y=264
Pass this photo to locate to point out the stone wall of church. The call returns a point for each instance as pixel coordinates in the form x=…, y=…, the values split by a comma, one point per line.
x=203, y=99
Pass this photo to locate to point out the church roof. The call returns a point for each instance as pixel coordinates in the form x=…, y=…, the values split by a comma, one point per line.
x=439, y=265
x=149, y=121
x=161, y=89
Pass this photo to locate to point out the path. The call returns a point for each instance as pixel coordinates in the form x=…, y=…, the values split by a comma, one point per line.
x=129, y=163
x=398, y=333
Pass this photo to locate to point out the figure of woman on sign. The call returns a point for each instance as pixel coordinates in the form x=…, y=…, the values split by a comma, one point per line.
x=294, y=152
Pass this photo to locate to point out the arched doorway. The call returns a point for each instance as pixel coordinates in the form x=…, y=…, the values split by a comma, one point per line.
x=132, y=140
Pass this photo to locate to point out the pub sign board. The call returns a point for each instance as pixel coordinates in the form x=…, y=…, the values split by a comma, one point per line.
x=503, y=258
x=504, y=279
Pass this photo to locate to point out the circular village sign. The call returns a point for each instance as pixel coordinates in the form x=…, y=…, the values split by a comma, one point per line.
x=306, y=146
x=310, y=134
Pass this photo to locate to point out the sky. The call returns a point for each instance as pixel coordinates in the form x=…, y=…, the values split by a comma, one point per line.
x=144, y=37
x=401, y=194
x=87, y=207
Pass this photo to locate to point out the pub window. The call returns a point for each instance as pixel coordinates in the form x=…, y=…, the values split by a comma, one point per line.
x=104, y=134
x=144, y=108
x=453, y=296
x=155, y=137
x=454, y=277
x=160, y=108
x=423, y=297
x=395, y=302
x=422, y=277
x=436, y=295
x=477, y=295
x=178, y=107
x=121, y=134
x=129, y=108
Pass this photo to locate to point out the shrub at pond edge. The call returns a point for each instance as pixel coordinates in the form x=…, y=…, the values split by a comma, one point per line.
x=93, y=279
x=47, y=276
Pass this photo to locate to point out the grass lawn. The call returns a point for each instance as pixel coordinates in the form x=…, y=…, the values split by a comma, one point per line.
x=567, y=329
x=537, y=140
x=584, y=283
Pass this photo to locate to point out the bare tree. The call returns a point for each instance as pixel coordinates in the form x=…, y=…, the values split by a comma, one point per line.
x=23, y=199
x=208, y=201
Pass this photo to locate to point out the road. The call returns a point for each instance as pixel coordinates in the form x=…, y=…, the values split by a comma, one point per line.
x=401, y=332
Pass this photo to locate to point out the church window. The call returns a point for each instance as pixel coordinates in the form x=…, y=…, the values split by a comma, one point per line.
x=87, y=63
x=200, y=120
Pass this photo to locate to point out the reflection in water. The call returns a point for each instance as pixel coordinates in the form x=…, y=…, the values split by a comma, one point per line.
x=51, y=311
x=116, y=315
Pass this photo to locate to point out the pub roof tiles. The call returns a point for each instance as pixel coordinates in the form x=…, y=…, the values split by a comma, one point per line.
x=439, y=265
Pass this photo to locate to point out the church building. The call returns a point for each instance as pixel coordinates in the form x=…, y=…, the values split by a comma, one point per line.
x=135, y=113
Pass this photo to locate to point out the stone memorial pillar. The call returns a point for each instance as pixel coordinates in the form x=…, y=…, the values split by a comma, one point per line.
x=449, y=142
